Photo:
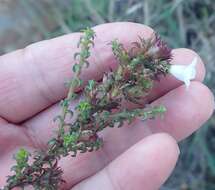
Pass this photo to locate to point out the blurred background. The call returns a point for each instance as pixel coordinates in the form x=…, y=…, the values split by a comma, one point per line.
x=182, y=23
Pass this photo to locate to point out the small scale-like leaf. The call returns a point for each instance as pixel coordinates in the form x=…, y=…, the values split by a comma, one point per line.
x=76, y=68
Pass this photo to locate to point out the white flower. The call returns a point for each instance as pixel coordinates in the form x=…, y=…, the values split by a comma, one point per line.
x=185, y=73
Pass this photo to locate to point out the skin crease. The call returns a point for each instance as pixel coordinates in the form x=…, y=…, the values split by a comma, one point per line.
x=135, y=156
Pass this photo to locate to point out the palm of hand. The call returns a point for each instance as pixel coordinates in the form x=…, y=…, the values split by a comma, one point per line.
x=31, y=84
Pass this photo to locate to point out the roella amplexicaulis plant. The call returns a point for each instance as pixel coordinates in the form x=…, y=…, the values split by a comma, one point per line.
x=101, y=106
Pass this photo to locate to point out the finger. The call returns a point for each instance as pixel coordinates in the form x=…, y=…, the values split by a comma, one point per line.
x=2, y=121
x=10, y=137
x=182, y=107
x=34, y=78
x=146, y=165
x=187, y=110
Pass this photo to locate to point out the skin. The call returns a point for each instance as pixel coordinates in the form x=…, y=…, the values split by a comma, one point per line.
x=141, y=155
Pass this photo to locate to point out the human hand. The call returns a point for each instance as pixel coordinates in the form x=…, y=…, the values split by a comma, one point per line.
x=141, y=155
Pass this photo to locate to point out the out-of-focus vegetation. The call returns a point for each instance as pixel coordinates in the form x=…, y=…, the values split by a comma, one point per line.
x=183, y=23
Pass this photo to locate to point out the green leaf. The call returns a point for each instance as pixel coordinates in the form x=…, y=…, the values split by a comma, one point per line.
x=22, y=156
x=146, y=83
x=84, y=106
x=52, y=142
x=76, y=68
x=90, y=85
x=88, y=32
x=76, y=82
x=70, y=139
x=159, y=109
x=135, y=62
x=64, y=103
x=85, y=53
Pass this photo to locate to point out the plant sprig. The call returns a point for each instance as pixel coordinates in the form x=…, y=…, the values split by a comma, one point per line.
x=102, y=106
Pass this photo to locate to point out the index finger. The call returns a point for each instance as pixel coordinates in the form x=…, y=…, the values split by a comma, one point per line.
x=32, y=79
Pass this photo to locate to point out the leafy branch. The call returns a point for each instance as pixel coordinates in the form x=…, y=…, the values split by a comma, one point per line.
x=101, y=107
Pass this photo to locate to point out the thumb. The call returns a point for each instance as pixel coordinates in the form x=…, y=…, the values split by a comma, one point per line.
x=146, y=165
